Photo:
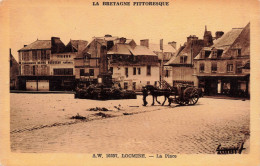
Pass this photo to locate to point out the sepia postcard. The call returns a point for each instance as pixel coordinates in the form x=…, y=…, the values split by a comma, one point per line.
x=152, y=82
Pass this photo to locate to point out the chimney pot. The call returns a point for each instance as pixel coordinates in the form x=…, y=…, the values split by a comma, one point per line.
x=144, y=42
x=122, y=40
x=192, y=37
x=107, y=35
x=219, y=34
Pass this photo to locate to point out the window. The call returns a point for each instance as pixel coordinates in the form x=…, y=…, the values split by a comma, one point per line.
x=126, y=72
x=148, y=83
x=238, y=52
x=214, y=54
x=26, y=70
x=214, y=67
x=82, y=72
x=43, y=69
x=183, y=59
x=219, y=53
x=202, y=67
x=43, y=55
x=47, y=54
x=125, y=85
x=91, y=72
x=25, y=56
x=34, y=55
x=229, y=67
x=134, y=71
x=167, y=73
x=35, y=70
x=139, y=71
x=134, y=85
x=148, y=70
x=66, y=71
x=207, y=53
x=238, y=67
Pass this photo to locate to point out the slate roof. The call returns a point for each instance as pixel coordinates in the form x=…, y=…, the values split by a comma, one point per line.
x=38, y=44
x=224, y=43
x=126, y=49
x=74, y=45
x=166, y=48
x=186, y=51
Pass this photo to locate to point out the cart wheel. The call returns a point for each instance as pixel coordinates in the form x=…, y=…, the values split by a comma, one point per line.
x=181, y=102
x=191, y=96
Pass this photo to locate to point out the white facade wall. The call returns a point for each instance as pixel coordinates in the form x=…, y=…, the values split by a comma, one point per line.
x=140, y=79
x=65, y=60
x=56, y=61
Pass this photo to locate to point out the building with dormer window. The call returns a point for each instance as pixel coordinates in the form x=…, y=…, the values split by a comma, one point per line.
x=182, y=62
x=224, y=67
x=48, y=65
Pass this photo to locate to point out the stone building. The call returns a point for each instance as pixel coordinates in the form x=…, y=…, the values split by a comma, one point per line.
x=48, y=65
x=133, y=65
x=14, y=72
x=119, y=59
x=224, y=67
x=164, y=56
x=88, y=66
x=182, y=62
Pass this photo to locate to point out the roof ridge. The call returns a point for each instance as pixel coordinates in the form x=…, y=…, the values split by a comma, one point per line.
x=41, y=40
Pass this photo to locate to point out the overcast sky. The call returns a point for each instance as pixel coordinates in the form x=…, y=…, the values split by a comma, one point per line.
x=80, y=20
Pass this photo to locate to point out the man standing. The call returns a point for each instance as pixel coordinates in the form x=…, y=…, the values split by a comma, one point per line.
x=145, y=94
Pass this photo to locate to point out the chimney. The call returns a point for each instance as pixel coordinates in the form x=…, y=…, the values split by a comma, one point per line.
x=122, y=40
x=173, y=44
x=192, y=37
x=107, y=35
x=207, y=37
x=110, y=44
x=144, y=42
x=56, y=45
x=219, y=34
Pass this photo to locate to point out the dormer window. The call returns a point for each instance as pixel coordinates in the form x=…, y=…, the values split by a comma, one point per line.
x=214, y=54
x=207, y=53
x=219, y=53
x=183, y=59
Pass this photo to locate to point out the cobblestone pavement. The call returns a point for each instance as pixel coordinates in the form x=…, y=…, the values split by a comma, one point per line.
x=152, y=129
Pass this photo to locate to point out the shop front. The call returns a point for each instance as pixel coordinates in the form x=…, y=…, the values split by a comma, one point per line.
x=236, y=86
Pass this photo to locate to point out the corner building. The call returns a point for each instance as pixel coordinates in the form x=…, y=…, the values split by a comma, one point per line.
x=48, y=65
x=224, y=67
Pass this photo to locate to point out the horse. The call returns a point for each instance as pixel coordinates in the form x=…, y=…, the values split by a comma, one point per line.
x=155, y=91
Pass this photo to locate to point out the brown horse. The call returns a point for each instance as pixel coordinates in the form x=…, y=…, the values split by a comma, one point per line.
x=155, y=91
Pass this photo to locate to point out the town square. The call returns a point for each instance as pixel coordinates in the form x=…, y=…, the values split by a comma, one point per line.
x=129, y=82
x=128, y=127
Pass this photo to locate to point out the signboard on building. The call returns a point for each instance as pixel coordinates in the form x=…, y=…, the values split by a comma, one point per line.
x=167, y=67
